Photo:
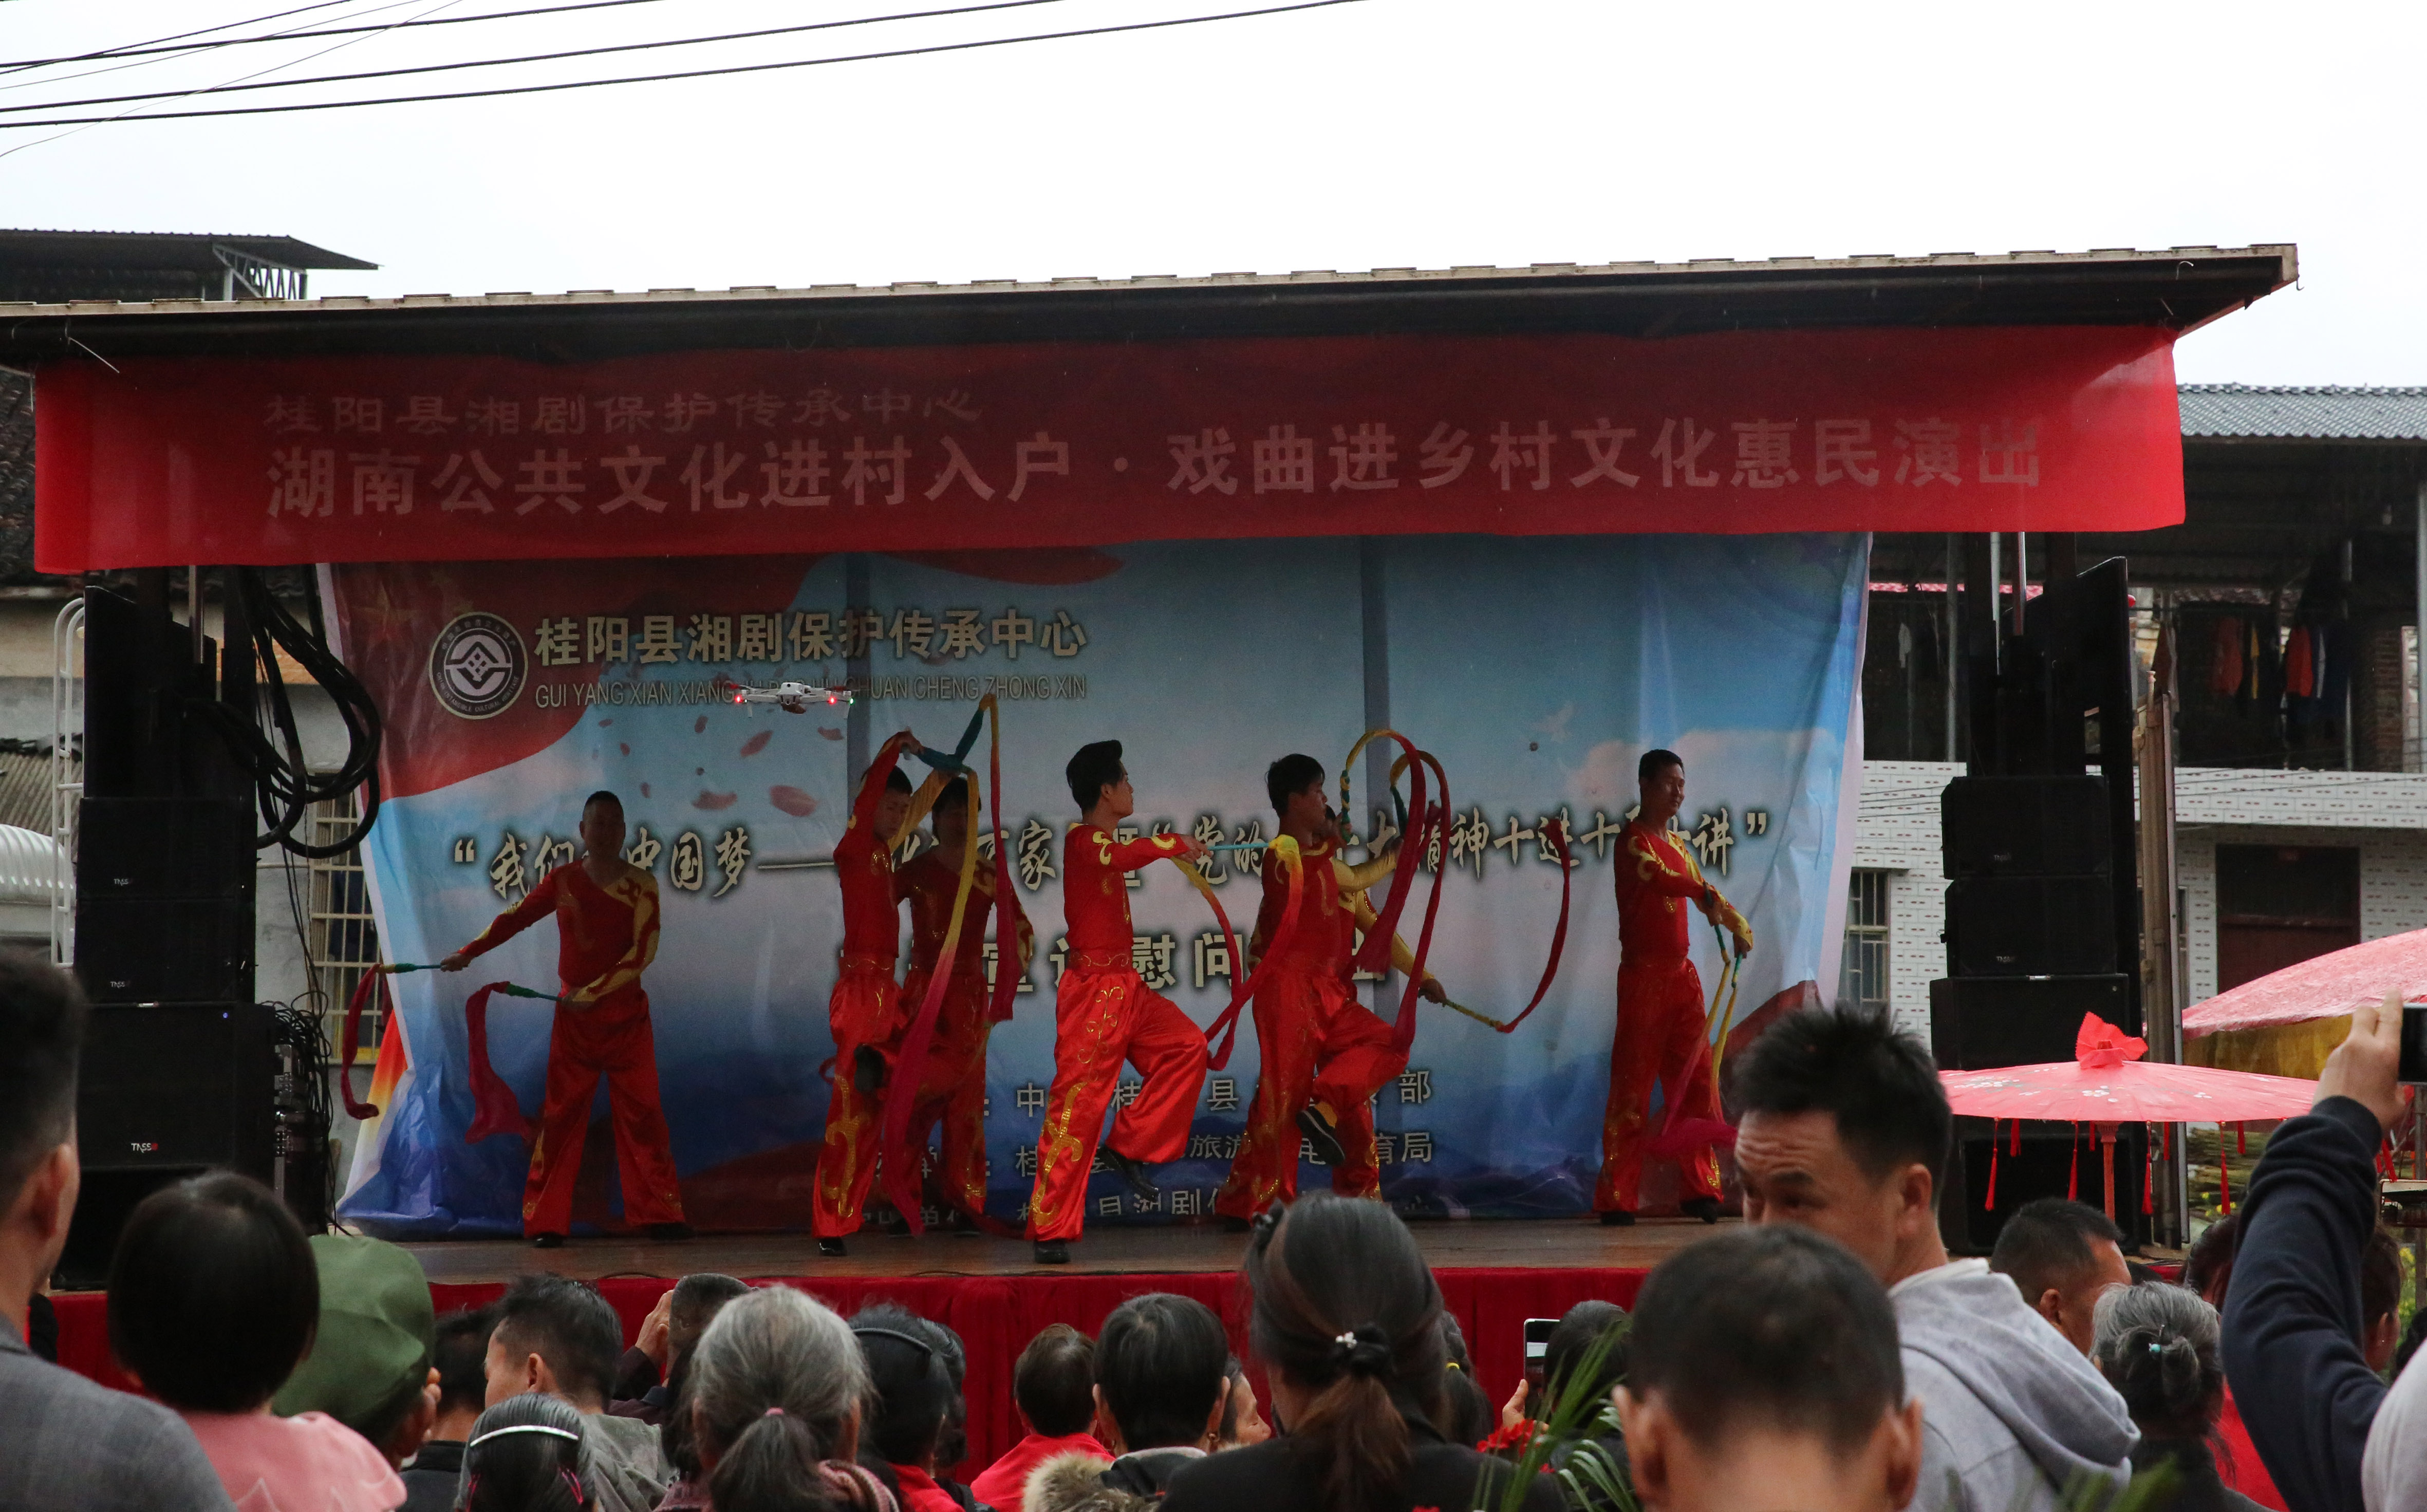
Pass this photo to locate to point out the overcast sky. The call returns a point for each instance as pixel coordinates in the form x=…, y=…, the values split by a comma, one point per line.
x=1380, y=134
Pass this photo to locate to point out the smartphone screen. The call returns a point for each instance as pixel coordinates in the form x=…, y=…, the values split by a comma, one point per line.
x=1538, y=1344
x=2413, y=1042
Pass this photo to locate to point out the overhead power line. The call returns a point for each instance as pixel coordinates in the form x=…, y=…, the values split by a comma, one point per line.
x=178, y=44
x=509, y=62
x=658, y=78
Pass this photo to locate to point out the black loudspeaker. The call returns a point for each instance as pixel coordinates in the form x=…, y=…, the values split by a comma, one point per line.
x=2029, y=926
x=2026, y=826
x=163, y=847
x=166, y=1091
x=176, y=1086
x=165, y=949
x=2050, y=1162
x=1976, y=1023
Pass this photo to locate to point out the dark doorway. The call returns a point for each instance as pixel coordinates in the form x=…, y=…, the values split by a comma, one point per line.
x=2278, y=905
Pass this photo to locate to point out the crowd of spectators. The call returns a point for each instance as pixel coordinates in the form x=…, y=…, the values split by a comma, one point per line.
x=1828, y=1355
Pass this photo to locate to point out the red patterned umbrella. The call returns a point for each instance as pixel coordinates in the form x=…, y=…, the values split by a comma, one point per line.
x=2108, y=1084
x=2320, y=987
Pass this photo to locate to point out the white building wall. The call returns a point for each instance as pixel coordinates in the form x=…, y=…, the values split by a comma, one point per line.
x=1897, y=832
x=2392, y=881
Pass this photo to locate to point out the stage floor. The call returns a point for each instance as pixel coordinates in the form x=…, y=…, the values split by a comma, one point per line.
x=1566, y=1244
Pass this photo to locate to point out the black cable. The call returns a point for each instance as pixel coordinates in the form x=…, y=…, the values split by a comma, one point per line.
x=149, y=49
x=655, y=79
x=507, y=62
x=285, y=787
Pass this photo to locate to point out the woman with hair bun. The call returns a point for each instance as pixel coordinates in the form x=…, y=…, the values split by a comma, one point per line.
x=776, y=1384
x=525, y=1455
x=2157, y=1344
x=1346, y=1320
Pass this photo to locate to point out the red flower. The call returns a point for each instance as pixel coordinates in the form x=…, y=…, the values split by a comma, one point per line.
x=1515, y=1437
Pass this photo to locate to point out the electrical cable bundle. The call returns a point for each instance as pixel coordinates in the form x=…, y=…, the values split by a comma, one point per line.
x=285, y=787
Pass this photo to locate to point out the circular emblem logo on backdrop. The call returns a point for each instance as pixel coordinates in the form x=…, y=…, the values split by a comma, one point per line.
x=477, y=666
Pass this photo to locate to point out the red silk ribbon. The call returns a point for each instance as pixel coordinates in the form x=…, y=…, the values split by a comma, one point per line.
x=350, y=1041
x=495, y=1109
x=1226, y=1023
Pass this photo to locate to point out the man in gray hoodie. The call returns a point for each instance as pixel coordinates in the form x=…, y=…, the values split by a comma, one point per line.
x=1846, y=1130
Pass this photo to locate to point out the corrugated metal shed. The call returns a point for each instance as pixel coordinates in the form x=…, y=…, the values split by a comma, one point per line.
x=2240, y=412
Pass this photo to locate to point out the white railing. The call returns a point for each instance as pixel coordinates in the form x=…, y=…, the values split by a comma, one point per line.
x=67, y=777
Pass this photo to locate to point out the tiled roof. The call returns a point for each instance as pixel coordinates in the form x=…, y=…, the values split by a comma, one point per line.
x=2333, y=413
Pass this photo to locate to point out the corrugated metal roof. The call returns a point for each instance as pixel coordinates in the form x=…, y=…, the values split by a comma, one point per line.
x=2241, y=412
x=162, y=249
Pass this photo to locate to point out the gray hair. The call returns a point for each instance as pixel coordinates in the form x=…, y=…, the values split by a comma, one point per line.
x=2157, y=1344
x=777, y=1348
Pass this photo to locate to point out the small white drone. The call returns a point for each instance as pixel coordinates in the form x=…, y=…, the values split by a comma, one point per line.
x=792, y=697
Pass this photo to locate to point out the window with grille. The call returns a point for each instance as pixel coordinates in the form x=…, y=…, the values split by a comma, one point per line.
x=345, y=940
x=1864, y=977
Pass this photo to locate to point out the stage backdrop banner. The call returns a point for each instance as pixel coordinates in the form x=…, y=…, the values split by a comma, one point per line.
x=164, y=462
x=1538, y=676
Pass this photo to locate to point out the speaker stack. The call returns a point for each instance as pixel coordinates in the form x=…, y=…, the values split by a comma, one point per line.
x=2041, y=896
x=180, y=1064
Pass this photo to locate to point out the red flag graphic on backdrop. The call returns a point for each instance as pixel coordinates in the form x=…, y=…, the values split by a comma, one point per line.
x=367, y=459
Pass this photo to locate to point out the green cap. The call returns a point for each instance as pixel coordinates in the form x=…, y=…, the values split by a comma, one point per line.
x=375, y=1337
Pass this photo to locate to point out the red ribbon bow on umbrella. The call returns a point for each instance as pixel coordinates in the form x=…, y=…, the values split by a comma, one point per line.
x=2100, y=1045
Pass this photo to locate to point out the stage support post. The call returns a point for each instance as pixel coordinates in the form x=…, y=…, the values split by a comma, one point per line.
x=1374, y=619
x=2160, y=923
x=2415, y=760
x=1954, y=639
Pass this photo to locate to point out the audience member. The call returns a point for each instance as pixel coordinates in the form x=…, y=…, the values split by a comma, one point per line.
x=369, y=1366
x=2207, y=1270
x=460, y=1355
x=953, y=1444
x=669, y=1331
x=1345, y=1317
x=1587, y=1351
x=1846, y=1130
x=1764, y=1372
x=2157, y=1343
x=1471, y=1415
x=775, y=1386
x=1243, y=1419
x=2060, y=1254
x=42, y=1328
x=1053, y=1386
x=558, y=1337
x=65, y=1442
x=528, y=1454
x=1161, y=1384
x=213, y=1299
x=913, y=1401
x=2379, y=1300
x=2294, y=1324
x=2411, y=1335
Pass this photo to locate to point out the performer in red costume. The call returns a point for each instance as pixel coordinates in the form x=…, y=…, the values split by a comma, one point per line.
x=606, y=934
x=953, y=1087
x=1104, y=1013
x=864, y=1010
x=1662, y=1027
x=1323, y=1053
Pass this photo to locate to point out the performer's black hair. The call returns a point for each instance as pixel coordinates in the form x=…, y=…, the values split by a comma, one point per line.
x=1773, y=1325
x=602, y=796
x=896, y=781
x=955, y=796
x=1288, y=775
x=1850, y=1063
x=1655, y=762
x=1095, y=768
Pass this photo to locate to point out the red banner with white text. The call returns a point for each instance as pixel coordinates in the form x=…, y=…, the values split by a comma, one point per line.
x=169, y=462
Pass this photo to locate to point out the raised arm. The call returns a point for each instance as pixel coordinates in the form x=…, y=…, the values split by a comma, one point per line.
x=871, y=784
x=537, y=904
x=1130, y=855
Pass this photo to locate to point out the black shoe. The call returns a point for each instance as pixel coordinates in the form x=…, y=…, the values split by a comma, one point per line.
x=547, y=1241
x=1618, y=1218
x=957, y=1223
x=1706, y=1208
x=1052, y=1252
x=1134, y=1172
x=1320, y=1134
x=1237, y=1225
x=867, y=1071
x=833, y=1248
x=669, y=1234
